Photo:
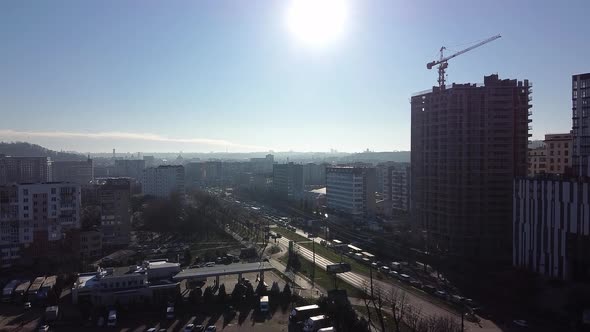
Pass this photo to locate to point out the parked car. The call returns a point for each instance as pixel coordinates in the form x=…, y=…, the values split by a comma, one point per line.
x=441, y=294
x=199, y=328
x=27, y=305
x=44, y=328
x=189, y=327
x=520, y=323
x=211, y=328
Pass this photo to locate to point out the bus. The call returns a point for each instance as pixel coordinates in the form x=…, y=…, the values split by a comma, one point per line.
x=300, y=314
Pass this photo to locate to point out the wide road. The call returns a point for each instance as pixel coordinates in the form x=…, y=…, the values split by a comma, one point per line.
x=418, y=301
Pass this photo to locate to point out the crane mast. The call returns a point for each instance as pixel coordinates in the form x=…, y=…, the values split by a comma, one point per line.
x=443, y=64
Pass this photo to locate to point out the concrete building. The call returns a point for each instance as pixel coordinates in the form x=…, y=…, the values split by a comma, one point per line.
x=287, y=180
x=551, y=227
x=581, y=124
x=129, y=168
x=162, y=181
x=114, y=197
x=314, y=174
x=468, y=143
x=91, y=243
x=351, y=190
x=194, y=174
x=24, y=169
x=537, y=161
x=262, y=165
x=36, y=217
x=559, y=153
x=398, y=188
x=80, y=172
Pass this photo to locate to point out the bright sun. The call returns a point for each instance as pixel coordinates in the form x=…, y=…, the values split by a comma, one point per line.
x=317, y=22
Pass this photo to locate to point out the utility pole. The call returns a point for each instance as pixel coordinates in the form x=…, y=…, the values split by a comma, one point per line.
x=313, y=268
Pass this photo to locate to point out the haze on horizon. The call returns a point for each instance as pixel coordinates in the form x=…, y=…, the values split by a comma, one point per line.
x=266, y=75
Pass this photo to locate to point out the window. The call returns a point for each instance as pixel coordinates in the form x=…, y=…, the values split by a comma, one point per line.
x=53, y=191
x=25, y=191
x=565, y=160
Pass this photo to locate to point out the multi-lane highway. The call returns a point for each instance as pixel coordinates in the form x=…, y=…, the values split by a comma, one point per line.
x=415, y=299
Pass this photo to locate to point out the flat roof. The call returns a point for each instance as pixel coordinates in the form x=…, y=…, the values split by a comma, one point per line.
x=220, y=270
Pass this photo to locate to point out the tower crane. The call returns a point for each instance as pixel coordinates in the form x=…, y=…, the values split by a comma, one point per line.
x=443, y=61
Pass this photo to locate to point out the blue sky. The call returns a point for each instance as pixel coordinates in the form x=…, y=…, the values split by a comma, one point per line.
x=229, y=76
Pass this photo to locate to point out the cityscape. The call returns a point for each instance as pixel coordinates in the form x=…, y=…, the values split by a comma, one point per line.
x=193, y=167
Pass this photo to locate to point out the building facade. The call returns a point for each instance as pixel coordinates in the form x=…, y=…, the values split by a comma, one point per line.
x=24, y=169
x=90, y=244
x=80, y=172
x=581, y=124
x=129, y=168
x=262, y=165
x=551, y=226
x=537, y=161
x=397, y=188
x=559, y=153
x=351, y=190
x=468, y=144
x=162, y=181
x=36, y=217
x=287, y=180
x=114, y=197
x=314, y=174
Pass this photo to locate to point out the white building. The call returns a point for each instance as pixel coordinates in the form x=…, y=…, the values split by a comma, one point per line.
x=351, y=190
x=162, y=181
x=551, y=226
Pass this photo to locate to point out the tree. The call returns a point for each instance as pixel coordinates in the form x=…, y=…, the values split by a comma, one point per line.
x=399, y=306
x=221, y=294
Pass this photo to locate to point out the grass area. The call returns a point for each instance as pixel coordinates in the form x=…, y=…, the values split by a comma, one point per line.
x=325, y=252
x=322, y=278
x=290, y=235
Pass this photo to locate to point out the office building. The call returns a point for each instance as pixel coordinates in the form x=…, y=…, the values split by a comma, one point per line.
x=114, y=197
x=351, y=190
x=36, y=217
x=314, y=174
x=287, y=180
x=558, y=153
x=129, y=168
x=469, y=142
x=80, y=172
x=581, y=124
x=24, y=169
x=162, y=181
x=262, y=165
x=537, y=160
x=552, y=227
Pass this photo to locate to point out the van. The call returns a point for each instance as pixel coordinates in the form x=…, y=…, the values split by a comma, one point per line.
x=264, y=304
x=112, y=318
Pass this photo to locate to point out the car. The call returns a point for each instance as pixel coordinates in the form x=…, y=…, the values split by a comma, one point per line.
x=416, y=283
x=189, y=327
x=27, y=305
x=209, y=264
x=441, y=294
x=44, y=328
x=152, y=329
x=199, y=328
x=211, y=328
x=520, y=323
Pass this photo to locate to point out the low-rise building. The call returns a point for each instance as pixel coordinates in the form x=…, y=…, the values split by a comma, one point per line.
x=150, y=283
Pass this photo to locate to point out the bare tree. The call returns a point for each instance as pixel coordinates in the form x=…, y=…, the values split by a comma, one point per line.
x=399, y=307
x=442, y=324
x=374, y=300
x=413, y=319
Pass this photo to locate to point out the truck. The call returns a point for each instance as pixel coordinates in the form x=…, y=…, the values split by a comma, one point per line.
x=47, y=287
x=8, y=290
x=264, y=304
x=300, y=314
x=21, y=291
x=51, y=313
x=112, y=318
x=35, y=287
x=314, y=323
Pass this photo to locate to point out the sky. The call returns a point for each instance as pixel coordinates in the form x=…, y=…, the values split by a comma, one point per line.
x=233, y=76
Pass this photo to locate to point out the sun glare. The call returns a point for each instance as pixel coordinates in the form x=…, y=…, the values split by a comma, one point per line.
x=317, y=22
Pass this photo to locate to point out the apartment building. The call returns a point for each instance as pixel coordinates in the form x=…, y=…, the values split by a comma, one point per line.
x=24, y=169
x=537, y=161
x=130, y=168
x=558, y=153
x=162, y=181
x=287, y=180
x=80, y=172
x=114, y=197
x=581, y=124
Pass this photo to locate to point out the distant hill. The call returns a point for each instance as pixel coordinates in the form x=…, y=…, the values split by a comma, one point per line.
x=23, y=149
